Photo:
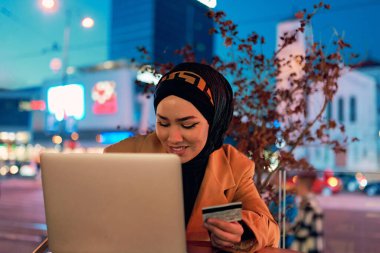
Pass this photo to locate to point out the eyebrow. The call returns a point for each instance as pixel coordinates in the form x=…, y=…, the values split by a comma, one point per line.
x=177, y=120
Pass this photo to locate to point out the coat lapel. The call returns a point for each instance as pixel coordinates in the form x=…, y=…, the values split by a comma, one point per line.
x=218, y=178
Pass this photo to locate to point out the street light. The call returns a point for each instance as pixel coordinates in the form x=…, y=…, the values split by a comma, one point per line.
x=87, y=22
x=49, y=5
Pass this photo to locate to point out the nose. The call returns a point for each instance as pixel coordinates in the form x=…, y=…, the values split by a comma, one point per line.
x=175, y=135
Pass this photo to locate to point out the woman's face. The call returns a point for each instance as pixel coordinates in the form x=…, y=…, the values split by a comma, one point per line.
x=181, y=128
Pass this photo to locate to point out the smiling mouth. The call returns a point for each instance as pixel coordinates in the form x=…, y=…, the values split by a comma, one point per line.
x=179, y=150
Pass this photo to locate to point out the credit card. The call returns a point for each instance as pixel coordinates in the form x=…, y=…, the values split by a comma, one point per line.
x=229, y=212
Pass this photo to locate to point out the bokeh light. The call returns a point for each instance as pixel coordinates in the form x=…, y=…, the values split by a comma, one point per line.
x=88, y=22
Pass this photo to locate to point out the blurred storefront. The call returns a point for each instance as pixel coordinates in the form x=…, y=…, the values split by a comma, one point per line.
x=98, y=106
x=17, y=111
x=97, y=101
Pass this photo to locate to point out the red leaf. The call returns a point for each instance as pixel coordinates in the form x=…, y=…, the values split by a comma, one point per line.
x=228, y=22
x=219, y=14
x=299, y=15
x=253, y=38
x=332, y=124
x=319, y=133
x=228, y=41
x=259, y=57
x=327, y=6
x=343, y=44
x=212, y=31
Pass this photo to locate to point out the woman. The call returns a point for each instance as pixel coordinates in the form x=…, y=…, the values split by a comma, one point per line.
x=194, y=106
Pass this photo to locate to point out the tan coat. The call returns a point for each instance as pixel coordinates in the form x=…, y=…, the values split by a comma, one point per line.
x=228, y=178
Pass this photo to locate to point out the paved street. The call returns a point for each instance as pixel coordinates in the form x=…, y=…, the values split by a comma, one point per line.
x=22, y=218
x=352, y=221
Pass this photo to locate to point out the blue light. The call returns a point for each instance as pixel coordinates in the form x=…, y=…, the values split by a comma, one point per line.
x=113, y=137
x=276, y=124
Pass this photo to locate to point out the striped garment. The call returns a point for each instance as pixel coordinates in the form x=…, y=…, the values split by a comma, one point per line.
x=308, y=226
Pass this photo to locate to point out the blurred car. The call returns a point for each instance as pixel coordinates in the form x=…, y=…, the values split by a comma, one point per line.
x=326, y=185
x=352, y=182
x=372, y=189
x=331, y=185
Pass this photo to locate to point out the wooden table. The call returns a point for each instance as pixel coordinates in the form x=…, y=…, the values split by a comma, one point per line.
x=192, y=247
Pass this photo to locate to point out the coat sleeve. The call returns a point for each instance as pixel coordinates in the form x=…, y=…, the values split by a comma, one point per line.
x=255, y=214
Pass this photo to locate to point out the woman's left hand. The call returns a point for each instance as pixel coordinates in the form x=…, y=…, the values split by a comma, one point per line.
x=224, y=234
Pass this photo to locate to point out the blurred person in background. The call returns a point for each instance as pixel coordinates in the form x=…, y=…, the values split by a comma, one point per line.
x=308, y=225
x=194, y=106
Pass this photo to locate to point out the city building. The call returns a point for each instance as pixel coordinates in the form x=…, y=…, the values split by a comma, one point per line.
x=356, y=105
x=160, y=26
x=372, y=69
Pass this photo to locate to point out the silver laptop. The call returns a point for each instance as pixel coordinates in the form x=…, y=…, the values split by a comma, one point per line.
x=113, y=203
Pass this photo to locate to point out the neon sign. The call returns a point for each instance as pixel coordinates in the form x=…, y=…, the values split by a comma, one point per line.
x=33, y=105
x=104, y=95
x=66, y=101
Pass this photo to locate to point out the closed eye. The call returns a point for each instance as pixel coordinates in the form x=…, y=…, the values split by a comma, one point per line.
x=190, y=126
x=163, y=124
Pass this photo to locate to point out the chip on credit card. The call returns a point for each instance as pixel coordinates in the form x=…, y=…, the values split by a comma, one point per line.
x=229, y=212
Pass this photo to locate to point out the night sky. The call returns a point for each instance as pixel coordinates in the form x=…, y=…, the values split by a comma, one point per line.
x=30, y=38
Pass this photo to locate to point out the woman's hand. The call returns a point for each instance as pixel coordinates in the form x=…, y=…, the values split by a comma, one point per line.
x=224, y=234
